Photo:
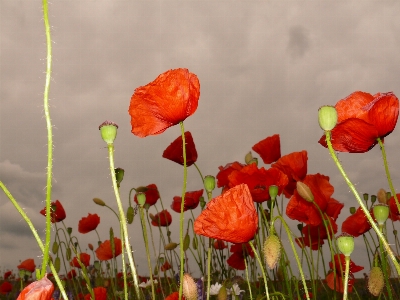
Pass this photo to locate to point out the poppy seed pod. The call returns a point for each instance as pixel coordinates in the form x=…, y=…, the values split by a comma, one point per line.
x=98, y=201
x=141, y=197
x=373, y=198
x=272, y=250
x=376, y=281
x=209, y=183
x=273, y=191
x=189, y=287
x=119, y=175
x=108, y=130
x=327, y=117
x=353, y=210
x=345, y=243
x=381, y=213
x=304, y=191
x=365, y=196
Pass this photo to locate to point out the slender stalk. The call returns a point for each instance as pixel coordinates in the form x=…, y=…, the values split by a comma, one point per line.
x=346, y=277
x=261, y=267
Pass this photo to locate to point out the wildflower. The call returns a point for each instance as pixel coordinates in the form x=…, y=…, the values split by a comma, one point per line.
x=71, y=274
x=239, y=254
x=236, y=208
x=151, y=192
x=100, y=293
x=235, y=290
x=269, y=149
x=224, y=172
x=84, y=258
x=169, y=99
x=165, y=267
x=174, y=296
x=163, y=218
x=394, y=214
x=89, y=223
x=219, y=245
x=104, y=251
x=27, y=265
x=174, y=151
x=39, y=290
x=57, y=212
x=5, y=288
x=357, y=223
x=214, y=288
x=192, y=200
x=362, y=118
x=147, y=283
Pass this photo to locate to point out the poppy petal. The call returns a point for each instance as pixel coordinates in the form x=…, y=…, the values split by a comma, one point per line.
x=269, y=149
x=174, y=151
x=384, y=113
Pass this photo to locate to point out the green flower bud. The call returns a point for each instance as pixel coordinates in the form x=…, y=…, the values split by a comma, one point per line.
x=345, y=243
x=98, y=201
x=381, y=213
x=54, y=249
x=195, y=242
x=186, y=242
x=388, y=196
x=254, y=160
x=353, y=210
x=141, y=198
x=327, y=117
x=130, y=214
x=108, y=131
x=273, y=191
x=68, y=253
x=365, y=196
x=97, y=265
x=248, y=158
x=300, y=227
x=57, y=264
x=119, y=175
x=69, y=230
x=209, y=183
x=304, y=191
x=170, y=246
x=223, y=293
x=202, y=202
x=395, y=232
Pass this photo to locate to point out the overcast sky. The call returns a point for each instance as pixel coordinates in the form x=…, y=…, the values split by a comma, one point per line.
x=265, y=67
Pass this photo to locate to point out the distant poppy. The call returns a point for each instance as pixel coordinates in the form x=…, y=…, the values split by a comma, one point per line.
x=5, y=288
x=7, y=274
x=240, y=252
x=224, y=172
x=294, y=165
x=89, y=223
x=304, y=211
x=104, y=251
x=357, y=223
x=362, y=118
x=39, y=290
x=259, y=180
x=169, y=99
x=165, y=267
x=220, y=245
x=57, y=212
x=174, y=151
x=394, y=214
x=27, y=265
x=192, y=200
x=269, y=149
x=163, y=218
x=151, y=192
x=340, y=266
x=85, y=260
x=71, y=274
x=174, y=296
x=100, y=293
x=230, y=217
x=314, y=236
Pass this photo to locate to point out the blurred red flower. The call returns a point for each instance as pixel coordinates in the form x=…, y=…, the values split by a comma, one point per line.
x=357, y=223
x=269, y=149
x=224, y=172
x=240, y=252
x=163, y=218
x=174, y=151
x=104, y=251
x=304, y=211
x=230, y=217
x=165, y=267
x=220, y=245
x=340, y=265
x=27, y=265
x=71, y=274
x=85, y=260
x=174, y=296
x=5, y=288
x=394, y=214
x=57, y=212
x=169, y=99
x=362, y=118
x=192, y=200
x=89, y=223
x=294, y=165
x=39, y=290
x=100, y=293
x=151, y=192
x=259, y=180
x=314, y=236
x=7, y=274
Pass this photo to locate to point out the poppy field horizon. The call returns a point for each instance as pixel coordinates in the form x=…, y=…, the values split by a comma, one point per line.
x=236, y=240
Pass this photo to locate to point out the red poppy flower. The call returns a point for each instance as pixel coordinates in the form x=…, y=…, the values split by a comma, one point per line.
x=304, y=211
x=100, y=293
x=5, y=288
x=340, y=265
x=394, y=214
x=192, y=200
x=259, y=181
x=7, y=274
x=240, y=252
x=362, y=118
x=104, y=252
x=230, y=217
x=39, y=290
x=89, y=223
x=356, y=224
x=220, y=245
x=269, y=149
x=57, y=212
x=27, y=265
x=71, y=274
x=294, y=165
x=85, y=260
x=224, y=172
x=151, y=192
x=314, y=236
x=169, y=99
x=174, y=296
x=165, y=267
x=163, y=218
x=174, y=151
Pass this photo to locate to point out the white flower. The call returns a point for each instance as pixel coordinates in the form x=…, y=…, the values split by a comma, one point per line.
x=235, y=290
x=147, y=284
x=214, y=288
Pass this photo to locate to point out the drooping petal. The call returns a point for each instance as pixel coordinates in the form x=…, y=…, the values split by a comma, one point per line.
x=174, y=151
x=38, y=290
x=192, y=200
x=356, y=224
x=384, y=113
x=269, y=149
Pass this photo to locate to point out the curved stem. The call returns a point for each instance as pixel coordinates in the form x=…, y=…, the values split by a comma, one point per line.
x=261, y=267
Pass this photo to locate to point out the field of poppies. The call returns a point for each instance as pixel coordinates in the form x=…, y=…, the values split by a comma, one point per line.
x=236, y=240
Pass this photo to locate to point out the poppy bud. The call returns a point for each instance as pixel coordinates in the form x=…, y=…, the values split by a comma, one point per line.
x=195, y=242
x=223, y=293
x=209, y=183
x=382, y=196
x=327, y=117
x=96, y=265
x=108, y=131
x=98, y=201
x=170, y=246
x=300, y=227
x=57, y=264
x=352, y=210
x=54, y=249
x=189, y=287
x=381, y=213
x=376, y=281
x=248, y=158
x=254, y=160
x=304, y=191
x=186, y=242
x=90, y=246
x=119, y=175
x=345, y=243
x=141, y=198
x=373, y=198
x=202, y=202
x=130, y=214
x=395, y=232
x=68, y=253
x=273, y=191
x=272, y=250
x=388, y=196
x=69, y=230
x=365, y=196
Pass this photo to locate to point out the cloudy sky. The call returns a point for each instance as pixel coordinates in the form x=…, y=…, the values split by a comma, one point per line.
x=265, y=67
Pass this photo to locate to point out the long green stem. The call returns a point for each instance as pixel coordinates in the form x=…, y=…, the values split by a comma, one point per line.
x=346, y=277
x=363, y=207
x=182, y=207
x=123, y=222
x=261, y=267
